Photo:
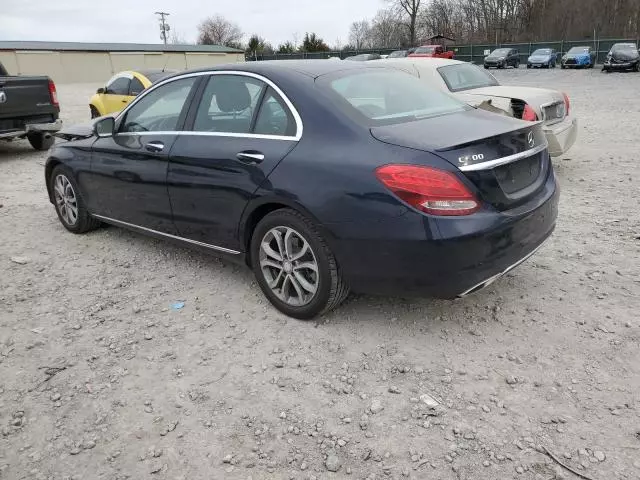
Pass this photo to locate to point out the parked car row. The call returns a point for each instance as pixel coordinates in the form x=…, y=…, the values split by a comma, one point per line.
x=622, y=56
x=326, y=177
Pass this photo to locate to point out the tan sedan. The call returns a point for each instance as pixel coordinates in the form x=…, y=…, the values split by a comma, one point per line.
x=480, y=89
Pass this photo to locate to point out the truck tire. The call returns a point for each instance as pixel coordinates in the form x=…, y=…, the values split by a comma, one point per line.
x=40, y=141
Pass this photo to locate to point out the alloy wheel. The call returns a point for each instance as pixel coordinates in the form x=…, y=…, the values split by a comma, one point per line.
x=289, y=266
x=66, y=201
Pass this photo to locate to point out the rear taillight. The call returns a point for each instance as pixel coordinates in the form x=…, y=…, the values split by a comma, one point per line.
x=430, y=190
x=53, y=94
x=529, y=114
x=567, y=104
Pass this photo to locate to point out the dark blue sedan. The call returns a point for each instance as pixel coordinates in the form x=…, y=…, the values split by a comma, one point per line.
x=323, y=177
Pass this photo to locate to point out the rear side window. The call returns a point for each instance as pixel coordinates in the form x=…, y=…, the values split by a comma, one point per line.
x=228, y=104
x=119, y=86
x=384, y=96
x=274, y=118
x=136, y=87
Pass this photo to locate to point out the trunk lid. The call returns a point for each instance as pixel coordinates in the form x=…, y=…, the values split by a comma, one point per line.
x=506, y=159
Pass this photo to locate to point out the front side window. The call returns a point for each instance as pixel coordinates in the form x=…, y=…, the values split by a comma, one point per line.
x=465, y=76
x=228, y=104
x=118, y=86
x=383, y=97
x=160, y=109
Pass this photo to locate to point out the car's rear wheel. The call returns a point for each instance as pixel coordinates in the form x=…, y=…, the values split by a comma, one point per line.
x=295, y=267
x=70, y=207
x=41, y=141
x=94, y=111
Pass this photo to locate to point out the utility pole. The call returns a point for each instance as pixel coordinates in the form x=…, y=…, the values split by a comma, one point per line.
x=164, y=26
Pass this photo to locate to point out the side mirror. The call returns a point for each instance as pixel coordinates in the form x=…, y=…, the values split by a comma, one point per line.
x=104, y=127
x=101, y=90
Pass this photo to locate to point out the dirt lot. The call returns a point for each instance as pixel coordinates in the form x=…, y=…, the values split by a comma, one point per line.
x=100, y=378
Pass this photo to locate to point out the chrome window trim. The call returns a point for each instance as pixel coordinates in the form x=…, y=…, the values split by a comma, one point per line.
x=292, y=109
x=504, y=160
x=168, y=235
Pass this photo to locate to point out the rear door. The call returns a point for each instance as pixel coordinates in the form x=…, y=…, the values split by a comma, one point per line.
x=241, y=127
x=128, y=177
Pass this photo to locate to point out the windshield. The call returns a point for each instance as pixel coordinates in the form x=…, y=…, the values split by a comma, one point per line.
x=398, y=54
x=576, y=50
x=383, y=96
x=425, y=50
x=624, y=47
x=499, y=51
x=465, y=76
x=542, y=51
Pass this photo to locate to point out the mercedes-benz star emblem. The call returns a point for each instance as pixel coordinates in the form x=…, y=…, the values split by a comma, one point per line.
x=3, y=97
x=530, y=140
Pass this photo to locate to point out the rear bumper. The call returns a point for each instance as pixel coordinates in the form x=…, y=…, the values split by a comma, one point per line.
x=50, y=127
x=462, y=255
x=561, y=136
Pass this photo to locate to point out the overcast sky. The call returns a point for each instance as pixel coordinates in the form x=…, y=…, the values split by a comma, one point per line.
x=133, y=20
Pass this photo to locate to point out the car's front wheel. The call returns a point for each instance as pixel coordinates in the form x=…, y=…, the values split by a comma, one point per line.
x=294, y=266
x=69, y=204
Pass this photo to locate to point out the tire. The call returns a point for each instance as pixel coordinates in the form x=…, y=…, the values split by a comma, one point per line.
x=636, y=67
x=41, y=141
x=94, y=111
x=528, y=66
x=330, y=287
x=60, y=181
x=562, y=66
x=486, y=67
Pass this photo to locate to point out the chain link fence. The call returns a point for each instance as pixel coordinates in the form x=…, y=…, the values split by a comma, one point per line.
x=469, y=53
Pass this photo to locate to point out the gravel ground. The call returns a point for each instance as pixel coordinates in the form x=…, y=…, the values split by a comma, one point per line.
x=100, y=378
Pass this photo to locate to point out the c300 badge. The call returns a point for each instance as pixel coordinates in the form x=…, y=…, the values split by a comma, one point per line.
x=467, y=159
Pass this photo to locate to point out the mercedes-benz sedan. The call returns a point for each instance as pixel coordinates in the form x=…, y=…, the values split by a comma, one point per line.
x=323, y=177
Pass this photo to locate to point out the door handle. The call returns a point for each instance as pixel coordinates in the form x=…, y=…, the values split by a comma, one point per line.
x=250, y=157
x=154, y=147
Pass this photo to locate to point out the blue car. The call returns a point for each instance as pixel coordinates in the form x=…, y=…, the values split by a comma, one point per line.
x=542, y=58
x=579, y=57
x=322, y=177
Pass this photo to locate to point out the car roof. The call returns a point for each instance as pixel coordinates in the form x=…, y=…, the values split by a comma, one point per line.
x=311, y=68
x=430, y=62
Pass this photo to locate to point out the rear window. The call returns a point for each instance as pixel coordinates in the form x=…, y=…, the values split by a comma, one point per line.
x=383, y=96
x=155, y=77
x=425, y=50
x=465, y=76
x=624, y=47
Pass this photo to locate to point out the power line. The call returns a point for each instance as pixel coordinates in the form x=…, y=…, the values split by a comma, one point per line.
x=164, y=26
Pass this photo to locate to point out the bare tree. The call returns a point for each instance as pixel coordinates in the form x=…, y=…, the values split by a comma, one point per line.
x=411, y=10
x=218, y=30
x=177, y=38
x=387, y=30
x=359, y=34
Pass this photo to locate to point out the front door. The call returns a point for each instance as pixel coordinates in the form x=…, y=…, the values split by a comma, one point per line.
x=129, y=169
x=240, y=131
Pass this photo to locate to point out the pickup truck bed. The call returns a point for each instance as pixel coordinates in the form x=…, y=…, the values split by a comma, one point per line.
x=28, y=109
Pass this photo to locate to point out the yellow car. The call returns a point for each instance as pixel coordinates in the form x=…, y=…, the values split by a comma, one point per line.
x=122, y=88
